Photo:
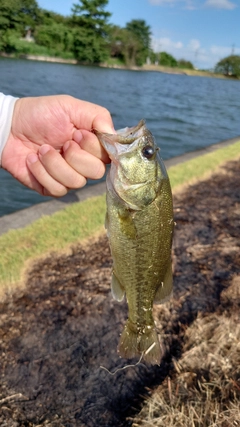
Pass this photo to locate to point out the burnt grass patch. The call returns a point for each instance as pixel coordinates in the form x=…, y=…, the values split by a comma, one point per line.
x=58, y=332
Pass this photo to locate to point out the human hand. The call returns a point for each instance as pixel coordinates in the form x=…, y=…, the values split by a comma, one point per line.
x=51, y=148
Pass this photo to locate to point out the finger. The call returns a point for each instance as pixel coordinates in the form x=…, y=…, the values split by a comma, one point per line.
x=103, y=121
x=59, y=169
x=44, y=183
x=89, y=116
x=90, y=143
x=83, y=162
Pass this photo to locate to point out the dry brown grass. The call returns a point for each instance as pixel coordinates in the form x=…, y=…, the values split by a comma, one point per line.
x=204, y=388
x=189, y=411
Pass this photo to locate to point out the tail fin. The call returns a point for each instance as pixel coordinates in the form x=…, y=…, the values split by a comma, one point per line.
x=134, y=344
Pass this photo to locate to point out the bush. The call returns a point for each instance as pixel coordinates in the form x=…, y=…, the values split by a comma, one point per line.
x=229, y=66
x=17, y=46
x=182, y=63
x=167, y=60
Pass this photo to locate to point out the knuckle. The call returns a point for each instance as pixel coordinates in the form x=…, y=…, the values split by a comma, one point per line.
x=70, y=155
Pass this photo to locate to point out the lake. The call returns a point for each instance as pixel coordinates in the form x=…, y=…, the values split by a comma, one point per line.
x=184, y=113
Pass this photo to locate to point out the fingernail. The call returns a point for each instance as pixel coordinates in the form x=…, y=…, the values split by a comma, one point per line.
x=78, y=136
x=109, y=129
x=113, y=130
x=44, y=149
x=66, y=146
x=32, y=158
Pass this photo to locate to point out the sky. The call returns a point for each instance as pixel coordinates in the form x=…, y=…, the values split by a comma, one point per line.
x=201, y=31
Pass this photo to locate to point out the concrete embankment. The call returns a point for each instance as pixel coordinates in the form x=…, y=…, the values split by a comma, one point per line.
x=26, y=216
x=49, y=59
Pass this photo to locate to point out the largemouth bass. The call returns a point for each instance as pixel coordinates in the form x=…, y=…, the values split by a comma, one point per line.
x=139, y=223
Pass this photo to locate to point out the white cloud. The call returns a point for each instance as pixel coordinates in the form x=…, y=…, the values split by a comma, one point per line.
x=201, y=57
x=165, y=44
x=222, y=51
x=189, y=4
x=159, y=2
x=221, y=4
x=196, y=4
x=176, y=48
x=194, y=45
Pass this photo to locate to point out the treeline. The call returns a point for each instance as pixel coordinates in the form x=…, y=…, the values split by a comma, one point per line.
x=85, y=35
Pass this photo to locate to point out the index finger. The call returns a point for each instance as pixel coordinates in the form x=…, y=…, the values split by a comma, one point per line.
x=89, y=142
x=89, y=116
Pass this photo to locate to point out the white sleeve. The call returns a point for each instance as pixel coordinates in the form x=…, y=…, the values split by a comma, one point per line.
x=7, y=103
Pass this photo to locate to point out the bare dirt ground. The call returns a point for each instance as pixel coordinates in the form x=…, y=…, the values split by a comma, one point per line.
x=57, y=333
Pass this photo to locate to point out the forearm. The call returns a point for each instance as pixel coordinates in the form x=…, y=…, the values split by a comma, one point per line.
x=7, y=104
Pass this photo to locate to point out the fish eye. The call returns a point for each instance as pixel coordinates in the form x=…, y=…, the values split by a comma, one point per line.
x=148, y=151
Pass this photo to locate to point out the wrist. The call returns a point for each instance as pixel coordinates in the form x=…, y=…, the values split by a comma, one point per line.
x=7, y=104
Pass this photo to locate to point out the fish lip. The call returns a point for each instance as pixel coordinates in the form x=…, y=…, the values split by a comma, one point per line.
x=116, y=144
x=129, y=134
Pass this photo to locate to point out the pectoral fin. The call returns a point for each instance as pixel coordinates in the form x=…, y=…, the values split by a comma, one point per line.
x=107, y=224
x=117, y=289
x=106, y=221
x=165, y=288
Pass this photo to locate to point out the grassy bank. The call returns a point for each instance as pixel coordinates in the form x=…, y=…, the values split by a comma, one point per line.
x=113, y=63
x=185, y=71
x=81, y=220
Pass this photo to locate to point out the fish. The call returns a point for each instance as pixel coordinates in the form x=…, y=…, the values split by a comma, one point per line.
x=139, y=223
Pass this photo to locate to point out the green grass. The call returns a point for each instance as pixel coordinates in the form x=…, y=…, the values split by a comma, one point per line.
x=49, y=233
x=22, y=47
x=81, y=220
x=111, y=62
x=200, y=166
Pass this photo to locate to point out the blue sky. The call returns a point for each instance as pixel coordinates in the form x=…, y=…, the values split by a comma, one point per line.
x=202, y=31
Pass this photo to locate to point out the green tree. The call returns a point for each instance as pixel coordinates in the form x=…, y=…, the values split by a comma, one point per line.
x=116, y=42
x=54, y=31
x=47, y=17
x=229, y=66
x=142, y=33
x=91, y=30
x=55, y=36
x=183, y=63
x=167, y=60
x=124, y=45
x=16, y=16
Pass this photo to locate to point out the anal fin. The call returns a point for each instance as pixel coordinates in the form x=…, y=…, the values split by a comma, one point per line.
x=164, y=290
x=117, y=289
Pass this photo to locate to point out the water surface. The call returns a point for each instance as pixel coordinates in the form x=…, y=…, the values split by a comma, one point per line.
x=184, y=113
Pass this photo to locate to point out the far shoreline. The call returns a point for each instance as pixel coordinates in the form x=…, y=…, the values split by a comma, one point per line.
x=145, y=67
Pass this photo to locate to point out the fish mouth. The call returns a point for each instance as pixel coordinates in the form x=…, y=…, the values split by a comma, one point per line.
x=125, y=140
x=128, y=135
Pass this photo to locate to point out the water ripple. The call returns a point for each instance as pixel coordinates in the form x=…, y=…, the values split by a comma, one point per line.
x=184, y=113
